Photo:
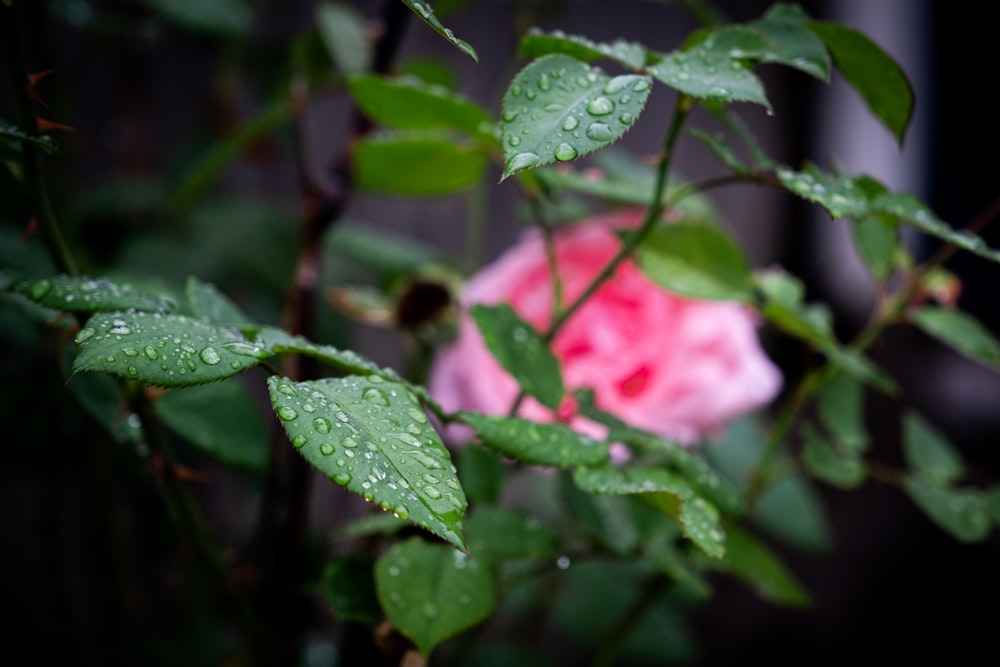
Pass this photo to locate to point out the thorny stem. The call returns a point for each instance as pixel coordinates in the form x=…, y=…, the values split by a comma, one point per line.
x=34, y=179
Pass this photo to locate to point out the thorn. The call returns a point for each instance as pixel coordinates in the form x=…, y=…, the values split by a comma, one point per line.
x=30, y=92
x=44, y=125
x=38, y=76
x=29, y=230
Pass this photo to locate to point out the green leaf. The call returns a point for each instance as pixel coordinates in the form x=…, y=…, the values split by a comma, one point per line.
x=877, y=238
x=89, y=295
x=839, y=467
x=696, y=260
x=558, y=109
x=504, y=534
x=426, y=13
x=964, y=513
x=872, y=72
x=540, y=444
x=536, y=44
x=913, y=212
x=411, y=164
x=958, y=330
x=221, y=420
x=410, y=104
x=481, y=472
x=707, y=74
x=431, y=592
x=271, y=341
x=349, y=587
x=161, y=350
x=840, y=195
x=389, y=255
x=372, y=436
x=750, y=560
x=344, y=34
x=9, y=130
x=721, y=149
x=378, y=523
x=223, y=17
x=792, y=44
x=521, y=351
x=928, y=452
x=698, y=518
x=993, y=501
x=209, y=304
x=841, y=411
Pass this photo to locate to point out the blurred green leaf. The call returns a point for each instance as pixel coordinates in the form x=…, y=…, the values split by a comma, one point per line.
x=750, y=560
x=503, y=534
x=416, y=164
x=482, y=473
x=877, y=239
x=521, y=351
x=221, y=420
x=964, y=513
x=381, y=251
x=872, y=72
x=840, y=467
x=958, y=330
x=229, y=18
x=841, y=411
x=530, y=442
x=697, y=261
x=371, y=436
x=410, y=104
x=208, y=303
x=928, y=452
x=839, y=195
x=431, y=592
x=344, y=33
x=349, y=587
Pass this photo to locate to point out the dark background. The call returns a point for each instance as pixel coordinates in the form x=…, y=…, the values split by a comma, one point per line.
x=895, y=587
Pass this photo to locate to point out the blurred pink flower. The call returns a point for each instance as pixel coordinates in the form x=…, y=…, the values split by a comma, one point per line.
x=678, y=367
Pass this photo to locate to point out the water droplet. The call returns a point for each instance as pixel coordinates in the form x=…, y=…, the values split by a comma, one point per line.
x=641, y=85
x=421, y=9
x=40, y=289
x=431, y=492
x=600, y=132
x=618, y=83
x=130, y=351
x=570, y=123
x=624, y=99
x=514, y=140
x=515, y=90
x=530, y=94
x=309, y=407
x=210, y=356
x=342, y=478
x=84, y=334
x=600, y=106
x=393, y=571
x=132, y=370
x=417, y=415
x=583, y=82
x=322, y=425
x=150, y=353
x=429, y=610
x=110, y=359
x=626, y=118
x=509, y=116
x=565, y=152
x=376, y=396
x=553, y=107
x=522, y=161
x=563, y=562
x=402, y=511
x=543, y=82
x=120, y=330
x=342, y=416
x=299, y=440
x=431, y=479
x=326, y=449
x=286, y=389
x=286, y=413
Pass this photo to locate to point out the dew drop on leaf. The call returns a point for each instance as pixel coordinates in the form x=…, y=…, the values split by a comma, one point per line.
x=210, y=356
x=600, y=106
x=565, y=152
x=322, y=425
x=599, y=132
x=326, y=449
x=299, y=441
x=286, y=413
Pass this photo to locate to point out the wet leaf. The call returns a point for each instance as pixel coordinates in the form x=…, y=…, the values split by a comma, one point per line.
x=90, y=295
x=209, y=304
x=530, y=442
x=372, y=437
x=841, y=411
x=839, y=467
x=161, y=349
x=536, y=43
x=521, y=351
x=431, y=592
x=557, y=109
x=964, y=513
x=707, y=74
x=840, y=195
x=426, y=13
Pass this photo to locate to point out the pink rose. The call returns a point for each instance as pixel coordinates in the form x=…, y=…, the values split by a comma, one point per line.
x=674, y=366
